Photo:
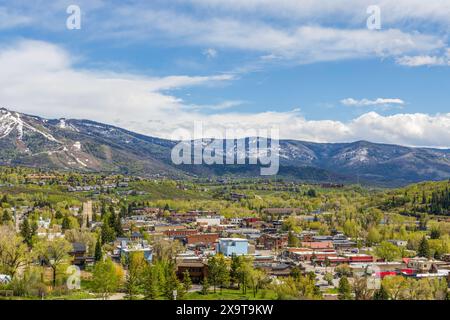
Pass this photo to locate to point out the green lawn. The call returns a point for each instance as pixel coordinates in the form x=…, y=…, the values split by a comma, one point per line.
x=232, y=294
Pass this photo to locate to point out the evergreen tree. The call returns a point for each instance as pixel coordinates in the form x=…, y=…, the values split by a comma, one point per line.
x=234, y=269
x=4, y=199
x=151, y=283
x=171, y=282
x=65, y=225
x=424, y=248
x=107, y=233
x=381, y=294
x=58, y=215
x=123, y=212
x=187, y=282
x=118, y=227
x=103, y=210
x=205, y=286
x=98, y=254
x=25, y=231
x=6, y=217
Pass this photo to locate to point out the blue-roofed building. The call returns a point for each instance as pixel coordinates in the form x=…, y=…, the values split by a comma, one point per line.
x=230, y=246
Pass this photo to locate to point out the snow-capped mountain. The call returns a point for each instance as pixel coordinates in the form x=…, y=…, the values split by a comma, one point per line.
x=79, y=145
x=85, y=145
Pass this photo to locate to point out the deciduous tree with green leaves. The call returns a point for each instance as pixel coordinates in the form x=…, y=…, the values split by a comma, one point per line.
x=54, y=253
x=344, y=289
x=106, y=278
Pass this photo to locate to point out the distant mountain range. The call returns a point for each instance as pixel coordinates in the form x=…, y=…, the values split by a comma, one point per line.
x=85, y=145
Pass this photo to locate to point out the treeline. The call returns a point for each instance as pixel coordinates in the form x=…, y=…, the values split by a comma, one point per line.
x=427, y=197
x=439, y=203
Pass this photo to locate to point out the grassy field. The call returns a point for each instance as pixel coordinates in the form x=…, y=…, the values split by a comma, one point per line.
x=231, y=294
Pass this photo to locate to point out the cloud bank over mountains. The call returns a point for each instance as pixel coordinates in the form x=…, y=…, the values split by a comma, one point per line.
x=41, y=78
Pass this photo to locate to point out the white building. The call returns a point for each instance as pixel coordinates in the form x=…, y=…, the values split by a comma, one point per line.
x=209, y=220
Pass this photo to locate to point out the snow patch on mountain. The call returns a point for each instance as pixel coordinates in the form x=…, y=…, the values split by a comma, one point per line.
x=10, y=121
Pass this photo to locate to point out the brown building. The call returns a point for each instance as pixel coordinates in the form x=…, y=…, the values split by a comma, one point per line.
x=318, y=245
x=198, y=270
x=202, y=238
x=79, y=255
x=180, y=232
x=273, y=241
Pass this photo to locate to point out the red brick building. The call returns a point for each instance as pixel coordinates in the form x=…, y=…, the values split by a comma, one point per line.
x=273, y=241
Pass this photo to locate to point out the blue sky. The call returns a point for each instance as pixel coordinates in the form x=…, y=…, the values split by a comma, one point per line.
x=312, y=69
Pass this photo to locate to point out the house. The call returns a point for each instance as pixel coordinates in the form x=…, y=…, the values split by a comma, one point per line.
x=252, y=222
x=343, y=244
x=375, y=267
x=79, y=255
x=136, y=236
x=44, y=223
x=184, y=217
x=422, y=265
x=232, y=246
x=307, y=254
x=237, y=196
x=236, y=221
x=307, y=236
x=276, y=269
x=399, y=243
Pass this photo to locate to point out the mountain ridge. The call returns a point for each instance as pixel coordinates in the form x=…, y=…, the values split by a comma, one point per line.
x=86, y=145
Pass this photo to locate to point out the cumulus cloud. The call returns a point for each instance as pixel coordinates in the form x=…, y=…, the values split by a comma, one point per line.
x=367, y=102
x=40, y=78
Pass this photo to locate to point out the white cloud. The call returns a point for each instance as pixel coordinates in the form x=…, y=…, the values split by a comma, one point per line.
x=367, y=102
x=39, y=78
x=300, y=43
x=210, y=53
x=424, y=60
x=348, y=11
x=291, y=30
